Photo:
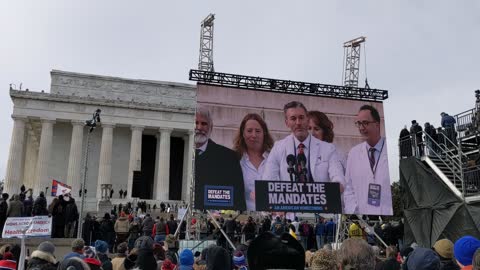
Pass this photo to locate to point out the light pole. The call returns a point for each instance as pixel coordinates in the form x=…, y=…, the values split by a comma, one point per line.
x=91, y=124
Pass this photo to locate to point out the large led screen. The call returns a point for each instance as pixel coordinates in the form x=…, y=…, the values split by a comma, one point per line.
x=265, y=151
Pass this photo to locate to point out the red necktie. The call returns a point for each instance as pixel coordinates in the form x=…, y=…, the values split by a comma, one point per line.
x=301, y=148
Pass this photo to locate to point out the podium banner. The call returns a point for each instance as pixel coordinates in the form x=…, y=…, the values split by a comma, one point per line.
x=37, y=226
x=286, y=196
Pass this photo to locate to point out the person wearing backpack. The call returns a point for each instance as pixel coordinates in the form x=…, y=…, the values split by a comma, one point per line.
x=277, y=227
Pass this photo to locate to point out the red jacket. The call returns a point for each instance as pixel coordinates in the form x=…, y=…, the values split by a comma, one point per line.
x=8, y=265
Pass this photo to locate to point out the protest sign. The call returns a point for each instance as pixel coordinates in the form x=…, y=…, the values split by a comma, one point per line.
x=298, y=197
x=30, y=226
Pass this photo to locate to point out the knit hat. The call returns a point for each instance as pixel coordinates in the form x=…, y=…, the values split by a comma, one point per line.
x=88, y=252
x=47, y=247
x=444, y=248
x=423, y=259
x=170, y=241
x=144, y=242
x=464, y=249
x=7, y=256
x=186, y=257
x=239, y=259
x=168, y=265
x=122, y=248
x=406, y=251
x=101, y=246
x=78, y=243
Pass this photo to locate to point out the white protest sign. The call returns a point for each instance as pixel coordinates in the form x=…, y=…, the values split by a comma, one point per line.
x=30, y=226
x=181, y=213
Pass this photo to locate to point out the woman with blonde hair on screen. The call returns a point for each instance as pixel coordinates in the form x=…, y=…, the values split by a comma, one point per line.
x=252, y=143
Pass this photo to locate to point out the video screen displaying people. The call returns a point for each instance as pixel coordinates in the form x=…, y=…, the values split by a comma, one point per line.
x=246, y=136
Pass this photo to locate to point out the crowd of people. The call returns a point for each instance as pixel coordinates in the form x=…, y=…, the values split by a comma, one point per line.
x=413, y=141
x=265, y=251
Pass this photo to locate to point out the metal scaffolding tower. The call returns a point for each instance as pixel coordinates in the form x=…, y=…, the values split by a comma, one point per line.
x=352, y=61
x=205, y=60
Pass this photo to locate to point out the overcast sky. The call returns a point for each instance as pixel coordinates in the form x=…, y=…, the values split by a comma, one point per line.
x=425, y=53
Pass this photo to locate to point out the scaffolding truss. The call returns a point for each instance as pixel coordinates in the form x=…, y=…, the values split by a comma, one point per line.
x=352, y=61
x=205, y=61
x=286, y=86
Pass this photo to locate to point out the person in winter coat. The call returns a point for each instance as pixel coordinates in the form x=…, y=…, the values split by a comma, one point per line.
x=88, y=230
x=147, y=225
x=71, y=215
x=416, y=130
x=8, y=262
x=101, y=247
x=172, y=225
x=135, y=230
x=444, y=250
x=117, y=262
x=107, y=231
x=249, y=229
x=3, y=210
x=145, y=258
x=43, y=258
x=160, y=230
x=40, y=206
x=405, y=143
x=28, y=206
x=75, y=262
x=58, y=218
x=218, y=258
x=15, y=208
x=121, y=229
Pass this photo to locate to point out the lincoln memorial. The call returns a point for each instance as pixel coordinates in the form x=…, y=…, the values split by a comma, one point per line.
x=143, y=145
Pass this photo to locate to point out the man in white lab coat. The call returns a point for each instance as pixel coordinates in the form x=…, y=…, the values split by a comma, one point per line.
x=367, y=168
x=322, y=164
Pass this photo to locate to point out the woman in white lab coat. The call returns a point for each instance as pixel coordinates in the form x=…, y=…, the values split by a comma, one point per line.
x=322, y=128
x=252, y=143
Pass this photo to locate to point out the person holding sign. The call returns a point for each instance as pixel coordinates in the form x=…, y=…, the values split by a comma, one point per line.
x=218, y=176
x=252, y=145
x=367, y=168
x=300, y=157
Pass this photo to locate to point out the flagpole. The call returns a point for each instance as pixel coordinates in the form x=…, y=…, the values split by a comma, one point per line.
x=92, y=124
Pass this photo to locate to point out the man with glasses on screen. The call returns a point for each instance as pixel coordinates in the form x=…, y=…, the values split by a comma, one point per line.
x=367, y=167
x=322, y=164
x=215, y=166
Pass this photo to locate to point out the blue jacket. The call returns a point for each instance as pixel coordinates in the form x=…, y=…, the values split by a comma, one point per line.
x=448, y=121
x=320, y=229
x=330, y=228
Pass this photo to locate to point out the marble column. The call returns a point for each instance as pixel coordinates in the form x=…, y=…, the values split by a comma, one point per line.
x=163, y=176
x=135, y=156
x=75, y=159
x=44, y=152
x=187, y=166
x=15, y=163
x=31, y=155
x=105, y=161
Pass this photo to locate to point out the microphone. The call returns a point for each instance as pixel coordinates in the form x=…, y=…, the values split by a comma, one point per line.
x=301, y=167
x=291, y=161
